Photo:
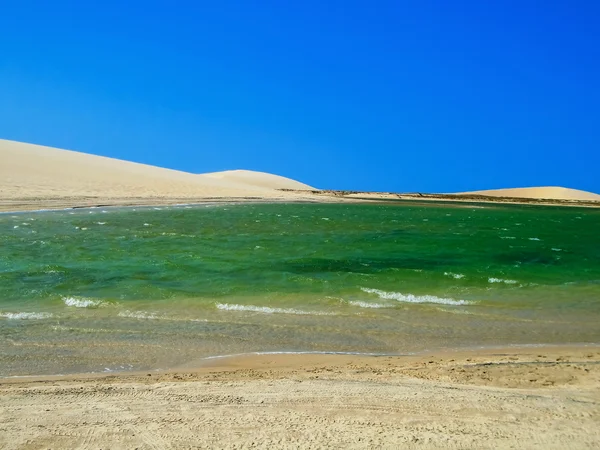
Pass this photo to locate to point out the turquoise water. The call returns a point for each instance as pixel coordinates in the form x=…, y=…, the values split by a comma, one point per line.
x=148, y=288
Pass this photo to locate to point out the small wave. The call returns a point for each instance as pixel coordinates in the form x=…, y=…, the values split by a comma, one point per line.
x=82, y=302
x=118, y=369
x=456, y=276
x=557, y=249
x=369, y=305
x=410, y=298
x=268, y=310
x=534, y=239
x=507, y=237
x=139, y=315
x=26, y=315
x=455, y=311
x=500, y=280
x=236, y=355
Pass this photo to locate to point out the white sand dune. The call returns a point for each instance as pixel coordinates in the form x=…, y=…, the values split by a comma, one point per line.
x=546, y=192
x=36, y=177
x=34, y=171
x=259, y=179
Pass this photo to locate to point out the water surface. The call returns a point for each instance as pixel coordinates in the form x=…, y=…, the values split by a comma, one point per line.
x=148, y=288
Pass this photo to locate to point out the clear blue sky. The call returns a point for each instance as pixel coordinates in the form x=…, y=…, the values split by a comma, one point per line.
x=431, y=96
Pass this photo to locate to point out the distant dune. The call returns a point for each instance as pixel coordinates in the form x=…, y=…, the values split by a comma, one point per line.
x=30, y=171
x=547, y=192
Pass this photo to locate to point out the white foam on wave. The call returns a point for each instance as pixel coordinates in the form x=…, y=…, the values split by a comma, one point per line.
x=456, y=276
x=369, y=305
x=501, y=280
x=534, y=239
x=139, y=315
x=507, y=237
x=269, y=310
x=82, y=302
x=26, y=315
x=410, y=298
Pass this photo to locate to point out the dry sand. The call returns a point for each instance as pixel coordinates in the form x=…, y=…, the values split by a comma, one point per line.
x=37, y=177
x=542, y=193
x=546, y=398
x=258, y=179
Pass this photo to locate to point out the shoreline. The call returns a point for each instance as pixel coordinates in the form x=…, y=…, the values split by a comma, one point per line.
x=28, y=207
x=72, y=203
x=393, y=197
x=298, y=359
x=502, y=398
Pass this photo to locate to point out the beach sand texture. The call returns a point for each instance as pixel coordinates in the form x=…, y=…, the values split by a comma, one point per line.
x=530, y=398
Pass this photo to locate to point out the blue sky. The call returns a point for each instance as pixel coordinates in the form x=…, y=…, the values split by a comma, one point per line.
x=430, y=96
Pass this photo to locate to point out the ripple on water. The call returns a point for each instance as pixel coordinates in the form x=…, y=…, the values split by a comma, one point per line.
x=270, y=310
x=26, y=315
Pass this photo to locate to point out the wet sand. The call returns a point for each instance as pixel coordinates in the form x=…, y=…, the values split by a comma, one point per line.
x=546, y=397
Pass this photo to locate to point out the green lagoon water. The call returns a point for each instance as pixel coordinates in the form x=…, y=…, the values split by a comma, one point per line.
x=103, y=290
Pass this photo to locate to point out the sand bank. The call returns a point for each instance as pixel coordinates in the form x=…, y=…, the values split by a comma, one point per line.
x=505, y=398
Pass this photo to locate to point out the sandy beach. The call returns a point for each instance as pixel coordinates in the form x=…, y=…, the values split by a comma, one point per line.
x=546, y=398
